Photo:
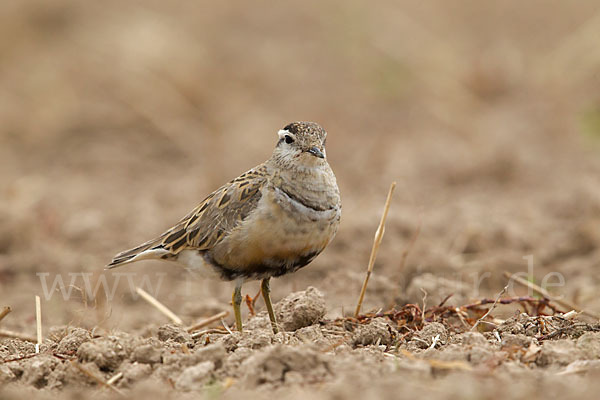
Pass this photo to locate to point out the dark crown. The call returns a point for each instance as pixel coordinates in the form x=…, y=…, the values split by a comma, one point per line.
x=306, y=128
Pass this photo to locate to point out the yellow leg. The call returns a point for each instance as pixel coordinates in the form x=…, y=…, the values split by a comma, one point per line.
x=266, y=290
x=236, y=300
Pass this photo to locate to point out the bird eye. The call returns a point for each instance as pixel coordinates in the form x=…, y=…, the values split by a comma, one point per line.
x=289, y=139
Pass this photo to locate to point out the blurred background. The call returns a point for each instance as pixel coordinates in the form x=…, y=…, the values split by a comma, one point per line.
x=117, y=118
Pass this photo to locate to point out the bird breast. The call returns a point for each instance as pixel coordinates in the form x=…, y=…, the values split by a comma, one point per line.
x=290, y=221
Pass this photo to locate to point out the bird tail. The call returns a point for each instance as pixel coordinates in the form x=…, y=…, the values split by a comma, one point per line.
x=150, y=250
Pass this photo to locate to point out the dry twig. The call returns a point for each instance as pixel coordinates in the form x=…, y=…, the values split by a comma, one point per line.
x=570, y=315
x=38, y=321
x=545, y=293
x=491, y=308
x=198, y=334
x=411, y=317
x=562, y=330
x=5, y=311
x=114, y=379
x=226, y=326
x=376, y=242
x=207, y=321
x=159, y=306
x=95, y=377
x=424, y=305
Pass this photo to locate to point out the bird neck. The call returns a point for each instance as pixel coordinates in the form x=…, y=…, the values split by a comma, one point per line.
x=302, y=163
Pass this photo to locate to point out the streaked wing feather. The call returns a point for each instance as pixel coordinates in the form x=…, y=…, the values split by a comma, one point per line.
x=207, y=224
x=217, y=215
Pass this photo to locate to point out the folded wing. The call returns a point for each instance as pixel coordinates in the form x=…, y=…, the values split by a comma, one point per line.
x=207, y=224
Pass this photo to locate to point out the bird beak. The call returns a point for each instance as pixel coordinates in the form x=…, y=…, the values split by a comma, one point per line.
x=316, y=152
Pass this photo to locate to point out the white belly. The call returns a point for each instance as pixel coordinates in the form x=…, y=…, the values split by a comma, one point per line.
x=194, y=262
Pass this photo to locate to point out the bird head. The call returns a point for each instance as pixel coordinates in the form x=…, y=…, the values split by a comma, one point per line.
x=301, y=144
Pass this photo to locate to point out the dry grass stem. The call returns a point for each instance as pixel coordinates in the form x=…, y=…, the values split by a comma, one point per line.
x=114, y=379
x=424, y=304
x=450, y=365
x=96, y=378
x=545, y=293
x=434, y=341
x=159, y=306
x=5, y=311
x=480, y=320
x=570, y=315
x=376, y=242
x=207, y=321
x=461, y=318
x=38, y=321
x=198, y=334
x=17, y=335
x=226, y=326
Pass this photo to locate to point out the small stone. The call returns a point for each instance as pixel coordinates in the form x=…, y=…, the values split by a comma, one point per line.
x=589, y=343
x=375, y=332
x=17, y=369
x=6, y=374
x=105, y=353
x=214, y=353
x=515, y=325
x=194, y=378
x=560, y=352
x=300, y=309
x=232, y=341
x=135, y=372
x=256, y=340
x=37, y=370
x=429, y=332
x=311, y=334
x=71, y=342
x=518, y=340
x=479, y=354
x=173, y=333
x=273, y=365
x=469, y=339
x=147, y=354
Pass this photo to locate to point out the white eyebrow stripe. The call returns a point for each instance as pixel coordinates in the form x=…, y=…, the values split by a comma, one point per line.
x=283, y=132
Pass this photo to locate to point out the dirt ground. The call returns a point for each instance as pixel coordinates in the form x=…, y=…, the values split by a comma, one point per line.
x=117, y=118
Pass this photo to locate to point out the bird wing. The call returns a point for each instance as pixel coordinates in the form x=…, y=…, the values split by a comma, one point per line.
x=207, y=224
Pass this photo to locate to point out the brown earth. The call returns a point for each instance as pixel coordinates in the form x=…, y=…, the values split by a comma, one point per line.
x=118, y=117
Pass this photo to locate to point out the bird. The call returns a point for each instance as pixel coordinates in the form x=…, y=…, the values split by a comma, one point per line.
x=270, y=221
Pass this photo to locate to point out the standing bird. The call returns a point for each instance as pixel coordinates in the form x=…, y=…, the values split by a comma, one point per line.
x=270, y=221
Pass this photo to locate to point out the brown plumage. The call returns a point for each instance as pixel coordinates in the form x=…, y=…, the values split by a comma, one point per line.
x=207, y=223
x=269, y=221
